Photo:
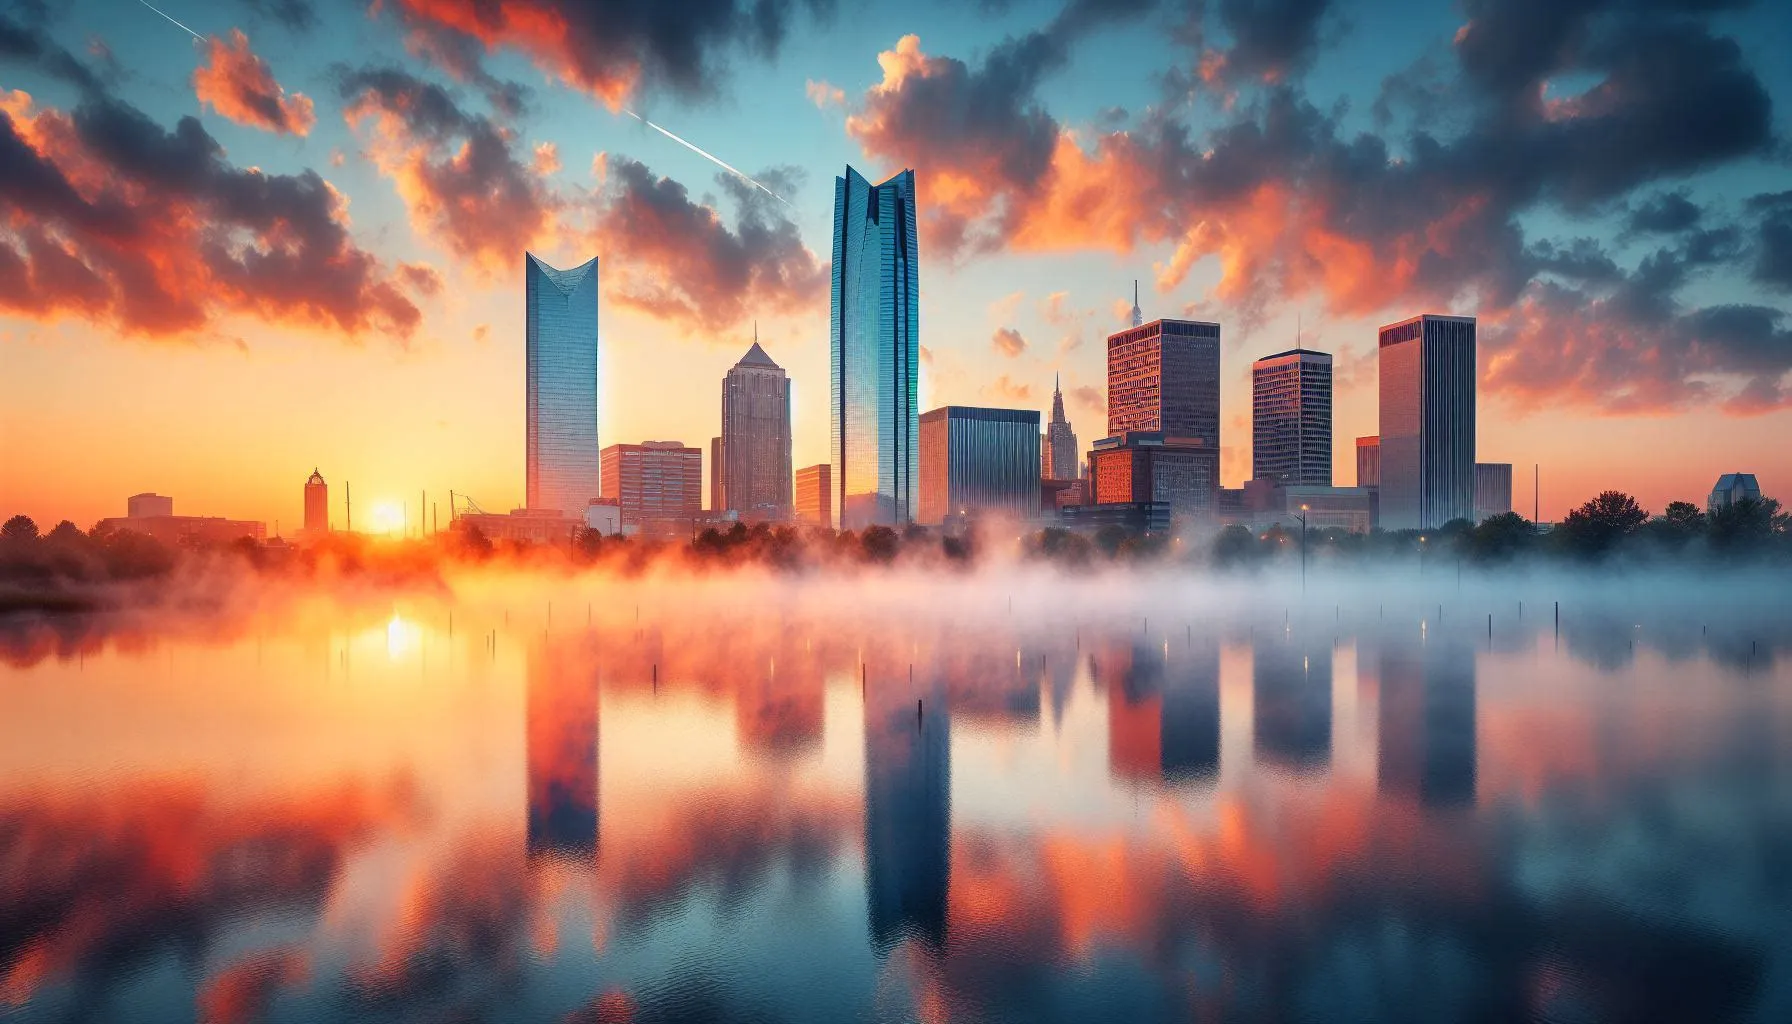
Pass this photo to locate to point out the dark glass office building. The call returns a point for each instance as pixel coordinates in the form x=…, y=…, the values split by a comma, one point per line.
x=1427, y=422
x=560, y=343
x=874, y=351
x=1164, y=376
x=978, y=461
x=1291, y=418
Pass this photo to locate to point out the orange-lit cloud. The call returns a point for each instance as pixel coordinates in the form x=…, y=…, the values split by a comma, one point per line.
x=113, y=220
x=824, y=95
x=240, y=86
x=1008, y=342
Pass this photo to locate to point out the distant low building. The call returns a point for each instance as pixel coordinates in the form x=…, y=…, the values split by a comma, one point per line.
x=1261, y=504
x=1732, y=488
x=1132, y=516
x=1493, y=490
x=139, y=506
x=522, y=525
x=153, y=516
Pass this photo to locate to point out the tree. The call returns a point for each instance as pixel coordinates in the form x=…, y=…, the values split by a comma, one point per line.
x=1597, y=526
x=879, y=544
x=1748, y=524
x=1235, y=545
x=19, y=530
x=1677, y=525
x=1500, y=538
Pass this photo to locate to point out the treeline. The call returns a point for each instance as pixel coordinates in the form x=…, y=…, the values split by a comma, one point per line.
x=1611, y=528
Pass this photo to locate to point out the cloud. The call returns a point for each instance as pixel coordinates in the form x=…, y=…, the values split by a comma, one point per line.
x=240, y=86
x=421, y=278
x=824, y=95
x=298, y=15
x=612, y=50
x=1289, y=203
x=1006, y=390
x=1773, y=247
x=1664, y=213
x=113, y=220
x=1008, y=342
x=457, y=172
x=687, y=265
x=23, y=40
x=1091, y=399
x=1271, y=40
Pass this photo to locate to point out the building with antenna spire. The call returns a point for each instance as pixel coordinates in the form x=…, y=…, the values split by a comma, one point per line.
x=1062, y=458
x=1138, y=315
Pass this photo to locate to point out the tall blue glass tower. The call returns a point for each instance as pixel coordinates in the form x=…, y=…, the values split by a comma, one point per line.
x=561, y=332
x=874, y=351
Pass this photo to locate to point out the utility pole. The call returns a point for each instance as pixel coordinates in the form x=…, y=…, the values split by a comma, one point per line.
x=348, y=507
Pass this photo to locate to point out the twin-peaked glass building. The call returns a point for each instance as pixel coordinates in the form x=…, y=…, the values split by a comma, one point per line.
x=874, y=352
x=561, y=465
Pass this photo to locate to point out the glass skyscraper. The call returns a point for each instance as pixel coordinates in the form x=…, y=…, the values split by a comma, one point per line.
x=1427, y=422
x=978, y=460
x=1291, y=418
x=561, y=345
x=874, y=351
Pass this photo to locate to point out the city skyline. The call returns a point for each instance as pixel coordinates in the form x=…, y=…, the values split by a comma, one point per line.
x=379, y=375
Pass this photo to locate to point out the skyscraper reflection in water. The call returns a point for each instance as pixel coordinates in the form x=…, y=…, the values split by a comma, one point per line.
x=1425, y=744
x=1163, y=713
x=1291, y=700
x=562, y=735
x=908, y=813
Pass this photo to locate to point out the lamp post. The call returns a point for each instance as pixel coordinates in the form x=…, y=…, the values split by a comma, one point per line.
x=1303, y=548
x=1421, y=554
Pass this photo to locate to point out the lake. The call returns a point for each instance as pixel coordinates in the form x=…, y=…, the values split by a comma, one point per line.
x=903, y=800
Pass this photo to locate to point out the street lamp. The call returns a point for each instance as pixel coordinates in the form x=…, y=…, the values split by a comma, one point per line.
x=1421, y=554
x=1303, y=548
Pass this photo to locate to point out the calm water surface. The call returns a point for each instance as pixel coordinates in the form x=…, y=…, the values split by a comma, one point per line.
x=1352, y=814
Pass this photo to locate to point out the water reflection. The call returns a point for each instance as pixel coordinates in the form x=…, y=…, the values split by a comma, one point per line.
x=810, y=814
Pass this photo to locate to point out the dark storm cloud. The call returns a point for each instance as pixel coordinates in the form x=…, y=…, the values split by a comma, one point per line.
x=23, y=40
x=612, y=49
x=690, y=267
x=298, y=15
x=1773, y=252
x=1258, y=41
x=1665, y=213
x=457, y=171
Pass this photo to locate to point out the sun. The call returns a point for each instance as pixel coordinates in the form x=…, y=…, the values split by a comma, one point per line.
x=386, y=517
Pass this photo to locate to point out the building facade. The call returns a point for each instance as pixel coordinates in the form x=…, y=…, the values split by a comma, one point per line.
x=1164, y=377
x=755, y=443
x=1493, y=490
x=522, y=526
x=874, y=351
x=317, y=505
x=1427, y=422
x=1368, y=461
x=978, y=461
x=560, y=342
x=717, y=499
x=814, y=495
x=137, y=506
x=659, y=485
x=1732, y=488
x=1061, y=460
x=1146, y=466
x=1291, y=418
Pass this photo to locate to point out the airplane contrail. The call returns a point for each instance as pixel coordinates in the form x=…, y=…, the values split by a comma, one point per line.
x=711, y=157
x=165, y=14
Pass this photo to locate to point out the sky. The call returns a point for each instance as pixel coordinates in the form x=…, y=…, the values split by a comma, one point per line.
x=288, y=234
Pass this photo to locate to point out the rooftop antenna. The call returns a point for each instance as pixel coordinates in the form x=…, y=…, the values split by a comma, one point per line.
x=1138, y=315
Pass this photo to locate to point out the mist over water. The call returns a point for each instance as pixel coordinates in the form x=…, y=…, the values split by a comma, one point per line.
x=1010, y=793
